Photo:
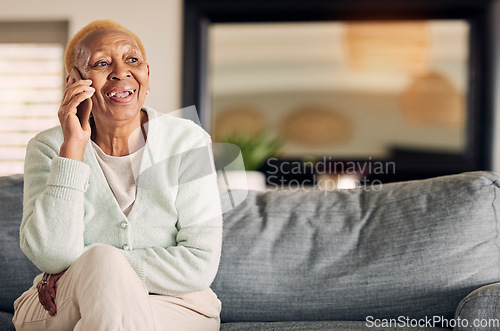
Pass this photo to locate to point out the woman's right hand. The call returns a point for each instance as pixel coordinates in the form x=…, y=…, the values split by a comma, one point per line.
x=74, y=114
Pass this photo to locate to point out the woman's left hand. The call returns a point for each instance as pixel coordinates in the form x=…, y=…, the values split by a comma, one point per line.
x=47, y=291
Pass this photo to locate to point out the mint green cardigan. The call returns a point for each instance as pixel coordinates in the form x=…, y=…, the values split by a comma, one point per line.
x=171, y=237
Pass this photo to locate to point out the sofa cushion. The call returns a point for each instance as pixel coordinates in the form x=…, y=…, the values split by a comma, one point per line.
x=16, y=271
x=6, y=322
x=480, y=306
x=411, y=249
x=315, y=325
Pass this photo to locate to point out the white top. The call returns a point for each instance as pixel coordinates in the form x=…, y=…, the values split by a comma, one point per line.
x=121, y=173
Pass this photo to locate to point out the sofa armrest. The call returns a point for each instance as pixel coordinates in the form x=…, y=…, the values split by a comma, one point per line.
x=480, y=310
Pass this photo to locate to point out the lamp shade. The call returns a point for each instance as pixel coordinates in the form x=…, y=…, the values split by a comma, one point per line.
x=388, y=46
x=316, y=126
x=432, y=100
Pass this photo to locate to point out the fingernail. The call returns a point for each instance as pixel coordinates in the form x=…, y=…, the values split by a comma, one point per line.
x=50, y=311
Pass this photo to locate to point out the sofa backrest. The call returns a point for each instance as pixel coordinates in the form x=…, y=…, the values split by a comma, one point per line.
x=411, y=249
x=16, y=271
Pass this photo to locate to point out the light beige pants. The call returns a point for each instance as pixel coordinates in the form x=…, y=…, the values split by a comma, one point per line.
x=101, y=291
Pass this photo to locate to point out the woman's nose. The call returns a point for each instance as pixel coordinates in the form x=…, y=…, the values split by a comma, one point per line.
x=119, y=71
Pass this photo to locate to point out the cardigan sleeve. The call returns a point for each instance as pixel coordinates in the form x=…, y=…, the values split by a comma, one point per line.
x=190, y=265
x=51, y=232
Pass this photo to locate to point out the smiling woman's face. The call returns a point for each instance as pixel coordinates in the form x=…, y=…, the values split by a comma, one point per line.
x=114, y=63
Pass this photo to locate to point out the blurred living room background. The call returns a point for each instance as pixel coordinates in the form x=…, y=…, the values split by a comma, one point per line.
x=417, y=90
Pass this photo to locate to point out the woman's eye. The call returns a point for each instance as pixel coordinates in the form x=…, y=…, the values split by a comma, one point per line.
x=133, y=59
x=101, y=64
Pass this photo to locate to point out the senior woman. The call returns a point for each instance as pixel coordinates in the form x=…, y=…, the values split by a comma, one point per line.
x=121, y=206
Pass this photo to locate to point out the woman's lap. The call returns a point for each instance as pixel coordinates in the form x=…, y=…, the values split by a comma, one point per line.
x=123, y=299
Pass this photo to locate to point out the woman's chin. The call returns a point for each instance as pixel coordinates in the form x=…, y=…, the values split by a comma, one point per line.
x=120, y=111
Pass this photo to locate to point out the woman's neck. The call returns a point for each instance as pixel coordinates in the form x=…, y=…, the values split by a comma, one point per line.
x=120, y=139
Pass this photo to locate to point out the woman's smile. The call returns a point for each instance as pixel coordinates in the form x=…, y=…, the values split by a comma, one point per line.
x=121, y=94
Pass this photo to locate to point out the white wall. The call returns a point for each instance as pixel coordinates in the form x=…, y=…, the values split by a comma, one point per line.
x=158, y=24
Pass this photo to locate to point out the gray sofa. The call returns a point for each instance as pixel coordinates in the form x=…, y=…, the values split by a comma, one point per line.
x=416, y=255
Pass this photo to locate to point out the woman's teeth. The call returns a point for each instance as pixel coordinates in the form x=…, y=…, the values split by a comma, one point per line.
x=120, y=94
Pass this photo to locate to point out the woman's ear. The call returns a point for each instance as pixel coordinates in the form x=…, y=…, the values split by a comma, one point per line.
x=75, y=73
x=68, y=77
x=72, y=76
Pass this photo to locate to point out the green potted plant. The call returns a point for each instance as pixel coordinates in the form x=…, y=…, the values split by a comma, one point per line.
x=255, y=150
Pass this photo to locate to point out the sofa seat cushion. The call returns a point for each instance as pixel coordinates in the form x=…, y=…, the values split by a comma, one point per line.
x=314, y=325
x=481, y=306
x=6, y=321
x=16, y=271
x=412, y=249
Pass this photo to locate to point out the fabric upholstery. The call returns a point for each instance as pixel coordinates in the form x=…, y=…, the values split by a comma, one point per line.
x=413, y=249
x=6, y=322
x=16, y=271
x=310, y=326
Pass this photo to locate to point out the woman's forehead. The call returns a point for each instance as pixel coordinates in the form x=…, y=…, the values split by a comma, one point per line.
x=103, y=39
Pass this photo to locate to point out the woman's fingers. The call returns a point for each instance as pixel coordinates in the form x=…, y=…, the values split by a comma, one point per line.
x=50, y=305
x=75, y=85
x=47, y=292
x=77, y=100
x=78, y=87
x=75, y=89
x=52, y=292
x=50, y=302
x=46, y=299
x=71, y=104
x=51, y=285
x=74, y=116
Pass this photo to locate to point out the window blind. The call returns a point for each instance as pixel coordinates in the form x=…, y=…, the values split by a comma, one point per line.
x=30, y=93
x=31, y=85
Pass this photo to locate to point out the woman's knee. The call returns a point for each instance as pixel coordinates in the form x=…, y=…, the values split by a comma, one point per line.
x=99, y=267
x=103, y=256
x=102, y=250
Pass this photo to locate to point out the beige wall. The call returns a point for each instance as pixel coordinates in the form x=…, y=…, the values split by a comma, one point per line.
x=157, y=23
